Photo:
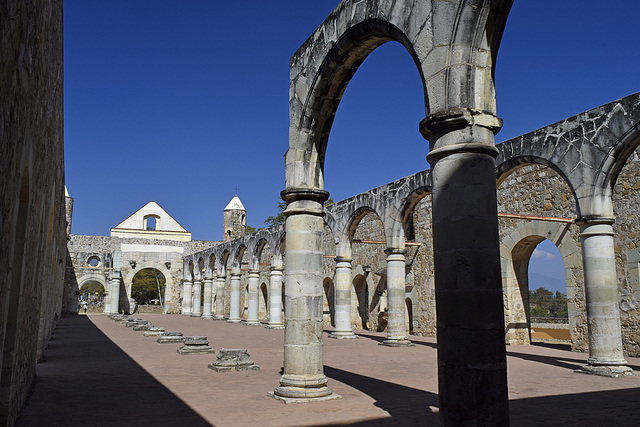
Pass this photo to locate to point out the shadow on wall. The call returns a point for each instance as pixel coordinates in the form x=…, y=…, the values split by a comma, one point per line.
x=87, y=380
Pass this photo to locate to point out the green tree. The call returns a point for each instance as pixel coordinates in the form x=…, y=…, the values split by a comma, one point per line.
x=144, y=286
x=559, y=306
x=280, y=218
x=544, y=303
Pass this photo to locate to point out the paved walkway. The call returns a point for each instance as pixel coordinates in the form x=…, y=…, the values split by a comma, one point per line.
x=97, y=372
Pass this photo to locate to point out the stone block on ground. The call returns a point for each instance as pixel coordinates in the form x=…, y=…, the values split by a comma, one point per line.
x=154, y=331
x=171, y=337
x=233, y=359
x=196, y=344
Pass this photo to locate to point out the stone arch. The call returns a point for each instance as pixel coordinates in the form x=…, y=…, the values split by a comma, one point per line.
x=515, y=252
x=143, y=296
x=512, y=164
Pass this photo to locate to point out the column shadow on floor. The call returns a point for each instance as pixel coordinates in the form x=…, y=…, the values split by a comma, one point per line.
x=406, y=405
x=87, y=380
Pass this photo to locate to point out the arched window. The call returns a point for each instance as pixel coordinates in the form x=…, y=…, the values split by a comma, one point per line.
x=151, y=222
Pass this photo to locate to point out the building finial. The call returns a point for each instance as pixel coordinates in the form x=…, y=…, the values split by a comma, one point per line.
x=236, y=188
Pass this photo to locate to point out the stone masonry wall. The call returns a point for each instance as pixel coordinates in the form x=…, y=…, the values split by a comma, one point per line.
x=32, y=218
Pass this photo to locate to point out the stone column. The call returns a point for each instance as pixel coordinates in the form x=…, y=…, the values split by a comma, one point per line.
x=601, y=286
x=275, y=298
x=342, y=288
x=106, y=297
x=196, y=310
x=114, y=293
x=187, y=295
x=234, y=297
x=303, y=379
x=468, y=285
x=396, y=309
x=254, y=284
x=206, y=304
x=221, y=280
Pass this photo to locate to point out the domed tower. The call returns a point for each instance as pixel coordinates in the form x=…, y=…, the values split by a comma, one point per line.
x=235, y=219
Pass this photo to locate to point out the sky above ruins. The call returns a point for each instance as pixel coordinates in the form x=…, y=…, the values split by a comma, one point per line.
x=183, y=101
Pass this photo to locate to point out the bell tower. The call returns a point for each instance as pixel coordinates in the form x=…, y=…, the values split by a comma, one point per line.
x=235, y=219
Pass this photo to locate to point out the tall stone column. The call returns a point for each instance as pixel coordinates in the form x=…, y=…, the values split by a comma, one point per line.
x=275, y=298
x=254, y=284
x=106, y=297
x=303, y=379
x=601, y=286
x=468, y=286
x=206, y=304
x=187, y=297
x=234, y=297
x=114, y=292
x=196, y=310
x=221, y=280
x=396, y=311
x=342, y=287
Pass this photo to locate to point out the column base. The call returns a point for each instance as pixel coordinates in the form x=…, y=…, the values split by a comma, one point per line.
x=218, y=318
x=342, y=335
x=607, y=371
x=397, y=343
x=206, y=317
x=287, y=400
x=234, y=321
x=252, y=323
x=195, y=315
x=275, y=326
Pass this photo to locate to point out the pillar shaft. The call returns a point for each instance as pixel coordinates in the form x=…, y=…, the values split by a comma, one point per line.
x=469, y=306
x=234, y=297
x=196, y=309
x=114, y=294
x=206, y=304
x=601, y=286
x=106, y=298
x=396, y=311
x=303, y=376
x=253, y=285
x=220, y=282
x=275, y=298
x=187, y=297
x=342, y=288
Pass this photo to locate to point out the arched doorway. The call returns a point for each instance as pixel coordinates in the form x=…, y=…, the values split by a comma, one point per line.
x=362, y=302
x=148, y=287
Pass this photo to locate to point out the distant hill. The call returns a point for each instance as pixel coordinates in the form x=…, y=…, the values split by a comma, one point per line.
x=537, y=280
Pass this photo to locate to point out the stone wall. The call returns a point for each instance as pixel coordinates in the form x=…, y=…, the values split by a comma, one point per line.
x=32, y=216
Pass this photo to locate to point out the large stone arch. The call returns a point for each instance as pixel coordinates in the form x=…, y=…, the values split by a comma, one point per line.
x=515, y=252
x=454, y=45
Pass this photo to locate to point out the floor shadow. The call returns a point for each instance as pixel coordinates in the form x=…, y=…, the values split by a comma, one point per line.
x=562, y=362
x=602, y=408
x=87, y=380
x=406, y=405
x=364, y=334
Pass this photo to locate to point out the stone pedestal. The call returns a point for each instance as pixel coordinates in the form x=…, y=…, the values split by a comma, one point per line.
x=234, y=297
x=396, y=312
x=194, y=345
x=171, y=337
x=154, y=331
x=142, y=327
x=253, y=285
x=601, y=286
x=220, y=282
x=233, y=359
x=303, y=378
x=468, y=282
x=275, y=299
x=342, y=287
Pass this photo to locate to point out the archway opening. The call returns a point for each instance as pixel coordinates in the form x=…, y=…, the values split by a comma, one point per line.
x=362, y=302
x=148, y=286
x=92, y=292
x=263, y=302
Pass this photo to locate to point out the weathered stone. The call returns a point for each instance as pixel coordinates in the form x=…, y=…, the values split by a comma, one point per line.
x=154, y=331
x=196, y=344
x=233, y=359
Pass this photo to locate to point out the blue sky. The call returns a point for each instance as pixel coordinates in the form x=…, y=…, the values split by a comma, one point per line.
x=182, y=101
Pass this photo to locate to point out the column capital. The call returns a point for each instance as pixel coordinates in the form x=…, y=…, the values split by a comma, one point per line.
x=254, y=273
x=221, y=277
x=187, y=282
x=274, y=268
x=343, y=259
x=436, y=125
x=395, y=251
x=236, y=273
x=596, y=225
x=304, y=201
